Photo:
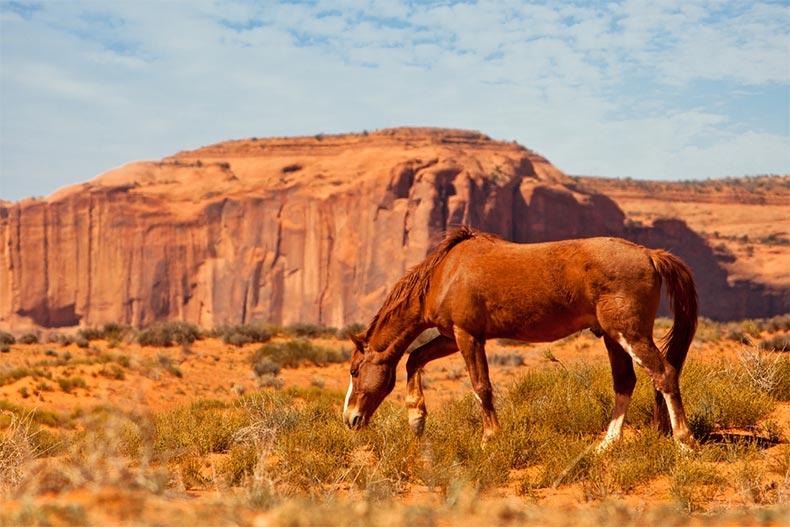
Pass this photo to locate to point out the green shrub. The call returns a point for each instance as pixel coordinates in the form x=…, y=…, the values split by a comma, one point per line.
x=781, y=388
x=90, y=334
x=454, y=434
x=246, y=334
x=240, y=463
x=693, y=483
x=67, y=384
x=311, y=331
x=263, y=365
x=506, y=359
x=7, y=338
x=202, y=427
x=113, y=331
x=721, y=398
x=28, y=338
x=11, y=376
x=167, y=334
x=577, y=400
x=778, y=323
x=776, y=343
x=626, y=465
x=294, y=352
x=310, y=443
x=66, y=340
x=113, y=372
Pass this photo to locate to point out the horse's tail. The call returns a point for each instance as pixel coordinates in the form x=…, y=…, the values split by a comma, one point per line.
x=683, y=302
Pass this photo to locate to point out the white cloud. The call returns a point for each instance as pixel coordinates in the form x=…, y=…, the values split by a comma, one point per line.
x=606, y=88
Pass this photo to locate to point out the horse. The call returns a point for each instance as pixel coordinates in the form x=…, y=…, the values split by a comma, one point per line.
x=476, y=286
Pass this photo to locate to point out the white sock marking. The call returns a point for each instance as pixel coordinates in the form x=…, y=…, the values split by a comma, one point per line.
x=615, y=431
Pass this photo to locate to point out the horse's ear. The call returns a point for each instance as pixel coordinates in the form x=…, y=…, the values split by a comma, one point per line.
x=358, y=340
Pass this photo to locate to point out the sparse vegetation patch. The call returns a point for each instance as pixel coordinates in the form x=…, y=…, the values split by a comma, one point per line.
x=285, y=456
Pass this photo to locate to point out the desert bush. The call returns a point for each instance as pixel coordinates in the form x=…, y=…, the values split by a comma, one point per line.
x=7, y=338
x=90, y=334
x=693, y=483
x=67, y=384
x=113, y=331
x=628, y=464
x=28, y=338
x=308, y=443
x=778, y=323
x=720, y=398
x=108, y=449
x=391, y=455
x=707, y=330
x=776, y=343
x=39, y=416
x=506, y=359
x=11, y=376
x=167, y=334
x=454, y=449
x=263, y=365
x=240, y=463
x=310, y=331
x=5, y=348
x=16, y=450
x=113, y=372
x=200, y=428
x=781, y=389
x=246, y=334
x=294, y=352
x=576, y=400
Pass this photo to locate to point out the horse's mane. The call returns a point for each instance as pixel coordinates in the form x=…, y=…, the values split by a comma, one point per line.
x=418, y=278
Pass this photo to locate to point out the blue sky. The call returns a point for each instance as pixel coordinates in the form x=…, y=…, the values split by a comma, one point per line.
x=650, y=90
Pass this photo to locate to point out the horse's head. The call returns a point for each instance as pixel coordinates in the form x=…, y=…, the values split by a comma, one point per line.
x=372, y=379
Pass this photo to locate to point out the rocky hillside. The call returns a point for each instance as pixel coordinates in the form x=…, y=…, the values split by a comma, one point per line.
x=311, y=229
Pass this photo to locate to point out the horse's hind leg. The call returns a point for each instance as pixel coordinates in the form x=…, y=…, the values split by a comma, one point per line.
x=415, y=401
x=474, y=353
x=665, y=378
x=624, y=382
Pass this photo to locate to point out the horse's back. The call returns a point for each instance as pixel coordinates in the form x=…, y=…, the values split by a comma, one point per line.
x=536, y=292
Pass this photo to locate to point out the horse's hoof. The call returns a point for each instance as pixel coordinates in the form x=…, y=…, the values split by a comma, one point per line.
x=687, y=445
x=417, y=425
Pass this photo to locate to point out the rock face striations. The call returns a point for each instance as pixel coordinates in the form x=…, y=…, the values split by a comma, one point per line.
x=288, y=230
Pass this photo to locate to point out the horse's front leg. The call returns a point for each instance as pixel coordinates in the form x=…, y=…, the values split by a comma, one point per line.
x=415, y=400
x=474, y=353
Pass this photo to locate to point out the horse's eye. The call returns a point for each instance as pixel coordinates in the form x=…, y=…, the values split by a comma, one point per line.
x=354, y=372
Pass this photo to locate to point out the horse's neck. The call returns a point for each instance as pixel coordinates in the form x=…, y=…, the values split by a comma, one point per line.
x=394, y=337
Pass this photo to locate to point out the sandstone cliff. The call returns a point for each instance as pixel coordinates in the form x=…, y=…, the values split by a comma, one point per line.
x=284, y=230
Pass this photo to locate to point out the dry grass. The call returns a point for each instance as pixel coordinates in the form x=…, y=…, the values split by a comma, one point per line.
x=284, y=456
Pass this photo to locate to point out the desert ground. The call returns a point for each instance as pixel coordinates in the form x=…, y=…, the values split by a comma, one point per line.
x=107, y=431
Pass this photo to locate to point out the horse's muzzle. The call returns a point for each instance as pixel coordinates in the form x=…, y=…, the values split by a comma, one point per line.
x=354, y=420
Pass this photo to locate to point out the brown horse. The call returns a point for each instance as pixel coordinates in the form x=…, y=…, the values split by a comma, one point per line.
x=476, y=286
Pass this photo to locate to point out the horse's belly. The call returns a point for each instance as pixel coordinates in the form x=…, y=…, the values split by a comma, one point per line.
x=539, y=329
